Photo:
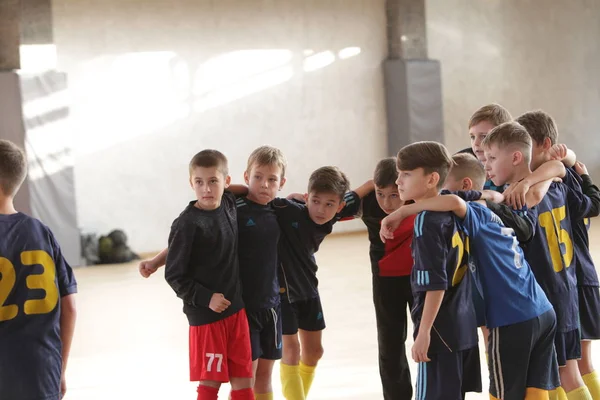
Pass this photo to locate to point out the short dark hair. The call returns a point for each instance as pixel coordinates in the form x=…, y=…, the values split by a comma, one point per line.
x=493, y=113
x=13, y=167
x=431, y=156
x=467, y=166
x=540, y=125
x=210, y=158
x=510, y=134
x=386, y=173
x=329, y=180
x=267, y=155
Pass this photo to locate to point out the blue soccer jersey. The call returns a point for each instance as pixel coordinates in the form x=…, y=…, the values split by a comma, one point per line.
x=585, y=268
x=440, y=263
x=34, y=276
x=510, y=291
x=550, y=252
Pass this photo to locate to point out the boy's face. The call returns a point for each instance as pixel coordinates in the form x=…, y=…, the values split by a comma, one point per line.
x=209, y=185
x=263, y=182
x=499, y=165
x=415, y=184
x=388, y=198
x=478, y=133
x=322, y=207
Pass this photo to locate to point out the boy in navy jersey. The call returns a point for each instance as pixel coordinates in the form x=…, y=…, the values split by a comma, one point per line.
x=258, y=232
x=521, y=320
x=37, y=296
x=506, y=162
x=445, y=326
x=202, y=268
x=303, y=227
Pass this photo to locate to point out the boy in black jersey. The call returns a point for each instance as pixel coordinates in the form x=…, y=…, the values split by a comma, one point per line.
x=303, y=227
x=202, y=268
x=258, y=232
x=37, y=295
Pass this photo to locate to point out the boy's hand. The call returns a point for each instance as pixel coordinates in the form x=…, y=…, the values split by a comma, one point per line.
x=492, y=195
x=296, y=196
x=146, y=268
x=558, y=152
x=515, y=194
x=218, y=303
x=389, y=225
x=421, y=346
x=580, y=168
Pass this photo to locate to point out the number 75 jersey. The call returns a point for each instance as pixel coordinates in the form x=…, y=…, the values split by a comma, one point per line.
x=33, y=278
x=550, y=252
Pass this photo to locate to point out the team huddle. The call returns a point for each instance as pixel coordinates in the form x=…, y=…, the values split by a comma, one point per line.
x=494, y=237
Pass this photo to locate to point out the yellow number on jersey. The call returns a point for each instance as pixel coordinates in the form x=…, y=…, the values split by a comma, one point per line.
x=556, y=235
x=460, y=271
x=44, y=281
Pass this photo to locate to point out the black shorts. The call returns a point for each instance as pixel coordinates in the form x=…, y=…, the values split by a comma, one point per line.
x=568, y=346
x=589, y=312
x=265, y=333
x=449, y=376
x=522, y=356
x=306, y=315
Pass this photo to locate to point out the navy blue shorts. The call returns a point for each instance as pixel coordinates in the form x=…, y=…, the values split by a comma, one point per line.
x=589, y=312
x=449, y=375
x=306, y=315
x=522, y=356
x=265, y=333
x=568, y=346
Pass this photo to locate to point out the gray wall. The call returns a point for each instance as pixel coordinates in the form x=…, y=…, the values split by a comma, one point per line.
x=524, y=54
x=154, y=82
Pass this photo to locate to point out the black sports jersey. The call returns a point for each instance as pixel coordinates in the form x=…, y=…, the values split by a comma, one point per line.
x=258, y=233
x=371, y=216
x=585, y=269
x=550, y=252
x=34, y=276
x=203, y=260
x=440, y=263
x=300, y=240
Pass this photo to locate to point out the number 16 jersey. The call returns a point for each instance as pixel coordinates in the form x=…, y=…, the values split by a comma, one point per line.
x=33, y=278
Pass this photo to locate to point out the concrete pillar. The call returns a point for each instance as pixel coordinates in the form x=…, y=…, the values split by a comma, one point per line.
x=413, y=85
x=36, y=22
x=10, y=35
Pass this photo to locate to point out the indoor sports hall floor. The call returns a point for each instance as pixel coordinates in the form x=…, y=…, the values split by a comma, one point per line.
x=131, y=337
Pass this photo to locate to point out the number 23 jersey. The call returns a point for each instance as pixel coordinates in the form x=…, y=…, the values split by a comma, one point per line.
x=33, y=278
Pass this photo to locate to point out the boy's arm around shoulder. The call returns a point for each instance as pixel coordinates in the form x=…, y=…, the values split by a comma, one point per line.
x=177, y=274
x=517, y=220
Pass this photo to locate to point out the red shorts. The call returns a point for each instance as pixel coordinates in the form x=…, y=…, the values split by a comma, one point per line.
x=221, y=350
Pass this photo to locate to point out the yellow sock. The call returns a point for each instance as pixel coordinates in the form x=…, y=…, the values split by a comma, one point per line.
x=581, y=393
x=263, y=396
x=307, y=373
x=592, y=381
x=557, y=394
x=536, y=394
x=291, y=382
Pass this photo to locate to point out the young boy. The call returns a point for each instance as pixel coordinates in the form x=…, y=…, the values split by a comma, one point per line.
x=37, y=295
x=445, y=327
x=303, y=227
x=258, y=233
x=202, y=268
x=505, y=164
x=521, y=320
x=391, y=264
